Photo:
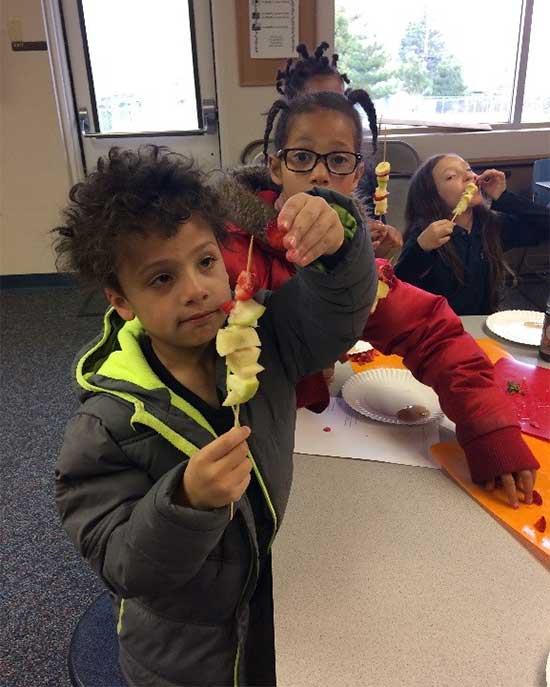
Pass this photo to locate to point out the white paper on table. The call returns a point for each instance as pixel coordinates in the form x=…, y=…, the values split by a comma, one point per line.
x=352, y=435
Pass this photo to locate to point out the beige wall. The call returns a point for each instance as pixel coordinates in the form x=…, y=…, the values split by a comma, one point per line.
x=32, y=160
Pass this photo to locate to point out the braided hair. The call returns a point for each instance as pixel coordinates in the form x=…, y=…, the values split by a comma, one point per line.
x=291, y=81
x=304, y=104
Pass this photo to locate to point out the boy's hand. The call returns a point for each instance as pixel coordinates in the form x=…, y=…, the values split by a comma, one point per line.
x=436, y=234
x=524, y=480
x=312, y=228
x=219, y=473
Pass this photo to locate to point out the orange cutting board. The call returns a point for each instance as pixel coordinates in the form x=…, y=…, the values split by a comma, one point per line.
x=491, y=349
x=520, y=521
x=451, y=458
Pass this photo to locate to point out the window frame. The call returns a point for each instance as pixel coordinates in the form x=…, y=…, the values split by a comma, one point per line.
x=201, y=129
x=518, y=92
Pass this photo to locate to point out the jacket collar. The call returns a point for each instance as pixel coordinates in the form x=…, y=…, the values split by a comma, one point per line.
x=115, y=364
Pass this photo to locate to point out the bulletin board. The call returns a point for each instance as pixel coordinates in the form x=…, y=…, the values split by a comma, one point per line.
x=262, y=72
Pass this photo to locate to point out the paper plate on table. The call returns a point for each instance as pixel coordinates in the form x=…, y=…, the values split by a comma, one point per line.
x=382, y=392
x=519, y=326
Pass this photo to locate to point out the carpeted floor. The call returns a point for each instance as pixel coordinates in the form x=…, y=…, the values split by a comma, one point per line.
x=45, y=586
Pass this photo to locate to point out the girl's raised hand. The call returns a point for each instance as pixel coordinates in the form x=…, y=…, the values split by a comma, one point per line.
x=312, y=228
x=391, y=243
x=436, y=234
x=524, y=480
x=492, y=182
x=378, y=232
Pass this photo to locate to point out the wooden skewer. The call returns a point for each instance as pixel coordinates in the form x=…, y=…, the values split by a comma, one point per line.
x=237, y=423
x=385, y=141
x=235, y=409
x=249, y=259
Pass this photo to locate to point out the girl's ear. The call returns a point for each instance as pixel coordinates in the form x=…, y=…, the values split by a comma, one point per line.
x=357, y=175
x=275, y=169
x=120, y=304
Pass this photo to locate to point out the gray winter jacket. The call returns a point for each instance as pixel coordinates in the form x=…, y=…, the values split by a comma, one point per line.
x=183, y=578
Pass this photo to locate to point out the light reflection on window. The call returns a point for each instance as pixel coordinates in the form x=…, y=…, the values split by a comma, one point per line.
x=142, y=65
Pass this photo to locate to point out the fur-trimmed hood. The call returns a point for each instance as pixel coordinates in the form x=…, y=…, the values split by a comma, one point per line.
x=242, y=189
x=247, y=210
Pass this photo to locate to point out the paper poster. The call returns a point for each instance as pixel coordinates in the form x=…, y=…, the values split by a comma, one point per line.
x=274, y=28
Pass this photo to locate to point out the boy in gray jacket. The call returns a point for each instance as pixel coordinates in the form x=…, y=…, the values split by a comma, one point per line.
x=151, y=467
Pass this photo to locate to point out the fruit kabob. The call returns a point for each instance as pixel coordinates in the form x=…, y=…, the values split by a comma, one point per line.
x=238, y=342
x=381, y=193
x=465, y=200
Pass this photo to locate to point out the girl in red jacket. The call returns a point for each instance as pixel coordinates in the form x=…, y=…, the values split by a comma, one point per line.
x=317, y=139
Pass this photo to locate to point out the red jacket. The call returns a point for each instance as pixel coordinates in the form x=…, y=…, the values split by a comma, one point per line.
x=416, y=325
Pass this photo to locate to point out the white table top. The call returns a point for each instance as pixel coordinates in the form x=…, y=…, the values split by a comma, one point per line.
x=392, y=576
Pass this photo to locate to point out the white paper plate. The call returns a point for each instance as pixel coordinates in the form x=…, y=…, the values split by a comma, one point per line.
x=382, y=392
x=517, y=326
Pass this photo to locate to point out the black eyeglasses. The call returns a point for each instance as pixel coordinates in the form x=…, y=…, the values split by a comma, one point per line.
x=304, y=160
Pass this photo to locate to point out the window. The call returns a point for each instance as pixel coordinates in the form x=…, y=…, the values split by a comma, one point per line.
x=448, y=63
x=536, y=100
x=151, y=54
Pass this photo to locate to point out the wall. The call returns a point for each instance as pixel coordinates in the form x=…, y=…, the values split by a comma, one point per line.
x=32, y=158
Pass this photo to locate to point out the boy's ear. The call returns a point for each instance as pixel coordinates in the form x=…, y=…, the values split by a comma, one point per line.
x=120, y=304
x=358, y=174
x=275, y=164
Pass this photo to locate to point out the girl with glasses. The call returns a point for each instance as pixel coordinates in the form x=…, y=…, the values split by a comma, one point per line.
x=317, y=142
x=311, y=73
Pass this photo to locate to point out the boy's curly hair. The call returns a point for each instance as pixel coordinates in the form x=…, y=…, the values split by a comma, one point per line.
x=131, y=192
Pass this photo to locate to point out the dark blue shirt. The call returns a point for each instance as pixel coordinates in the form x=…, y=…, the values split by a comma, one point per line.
x=522, y=224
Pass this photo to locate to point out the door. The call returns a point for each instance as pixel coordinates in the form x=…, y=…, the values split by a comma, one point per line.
x=142, y=72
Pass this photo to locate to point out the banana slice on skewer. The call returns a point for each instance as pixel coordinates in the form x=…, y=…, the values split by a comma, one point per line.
x=465, y=200
x=381, y=193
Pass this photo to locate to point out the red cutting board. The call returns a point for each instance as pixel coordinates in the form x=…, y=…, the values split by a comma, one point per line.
x=533, y=402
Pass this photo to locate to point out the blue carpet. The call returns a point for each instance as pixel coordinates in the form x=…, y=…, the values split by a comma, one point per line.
x=46, y=586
